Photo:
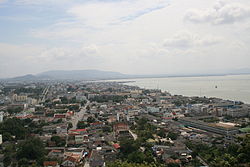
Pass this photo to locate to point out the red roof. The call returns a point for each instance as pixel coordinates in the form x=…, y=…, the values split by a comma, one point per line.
x=167, y=117
x=79, y=130
x=117, y=146
x=97, y=123
x=56, y=151
x=73, y=134
x=59, y=116
x=72, y=159
x=50, y=163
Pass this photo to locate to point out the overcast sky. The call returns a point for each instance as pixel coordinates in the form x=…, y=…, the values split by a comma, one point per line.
x=127, y=36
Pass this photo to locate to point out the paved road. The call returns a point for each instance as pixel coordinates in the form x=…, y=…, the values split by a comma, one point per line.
x=133, y=134
x=202, y=161
x=44, y=94
x=78, y=116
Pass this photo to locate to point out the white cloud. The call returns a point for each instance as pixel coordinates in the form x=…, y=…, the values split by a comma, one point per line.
x=186, y=39
x=2, y=1
x=128, y=36
x=100, y=14
x=23, y=59
x=39, y=2
x=222, y=12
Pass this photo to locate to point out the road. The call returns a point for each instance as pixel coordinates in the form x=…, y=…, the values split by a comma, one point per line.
x=202, y=161
x=133, y=134
x=78, y=116
x=44, y=94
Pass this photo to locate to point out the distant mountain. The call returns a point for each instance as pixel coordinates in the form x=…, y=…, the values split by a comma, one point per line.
x=81, y=74
x=240, y=71
x=99, y=75
x=28, y=77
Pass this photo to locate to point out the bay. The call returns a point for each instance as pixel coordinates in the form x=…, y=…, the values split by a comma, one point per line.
x=228, y=87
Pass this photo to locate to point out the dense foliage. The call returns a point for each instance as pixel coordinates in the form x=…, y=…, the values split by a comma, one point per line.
x=127, y=164
x=13, y=127
x=139, y=151
x=233, y=155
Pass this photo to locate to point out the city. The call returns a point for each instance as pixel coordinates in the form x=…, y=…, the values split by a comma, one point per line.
x=96, y=124
x=124, y=83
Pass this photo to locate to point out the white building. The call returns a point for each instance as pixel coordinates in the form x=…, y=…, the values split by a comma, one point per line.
x=1, y=116
x=1, y=139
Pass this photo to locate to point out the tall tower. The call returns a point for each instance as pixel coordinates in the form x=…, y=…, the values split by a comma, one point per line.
x=1, y=139
x=1, y=116
x=118, y=117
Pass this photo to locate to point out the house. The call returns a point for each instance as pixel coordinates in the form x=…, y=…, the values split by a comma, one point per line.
x=79, y=131
x=121, y=130
x=50, y=164
x=58, y=116
x=96, y=125
x=61, y=129
x=69, y=162
x=96, y=159
x=56, y=154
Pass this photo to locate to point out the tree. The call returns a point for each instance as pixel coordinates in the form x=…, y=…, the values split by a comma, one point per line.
x=14, y=110
x=88, y=108
x=161, y=133
x=90, y=119
x=128, y=146
x=23, y=162
x=14, y=127
x=129, y=164
x=31, y=149
x=58, y=140
x=81, y=125
x=173, y=165
x=137, y=157
x=172, y=135
x=107, y=129
x=70, y=125
x=64, y=100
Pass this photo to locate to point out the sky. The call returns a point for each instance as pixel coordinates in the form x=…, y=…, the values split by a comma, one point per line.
x=127, y=36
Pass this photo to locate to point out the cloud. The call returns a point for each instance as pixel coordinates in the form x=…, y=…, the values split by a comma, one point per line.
x=70, y=54
x=3, y=1
x=186, y=39
x=83, y=22
x=128, y=36
x=32, y=59
x=103, y=13
x=221, y=13
x=39, y=2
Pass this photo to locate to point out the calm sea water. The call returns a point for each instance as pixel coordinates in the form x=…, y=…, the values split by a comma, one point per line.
x=231, y=87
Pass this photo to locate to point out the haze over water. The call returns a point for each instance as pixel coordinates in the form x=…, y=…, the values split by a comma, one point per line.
x=231, y=87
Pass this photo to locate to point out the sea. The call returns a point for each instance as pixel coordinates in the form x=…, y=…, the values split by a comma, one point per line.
x=228, y=87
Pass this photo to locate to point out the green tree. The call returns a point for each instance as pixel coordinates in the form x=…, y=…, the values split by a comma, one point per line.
x=161, y=133
x=88, y=108
x=81, y=125
x=128, y=146
x=70, y=125
x=31, y=149
x=58, y=140
x=90, y=119
x=14, y=127
x=172, y=135
x=137, y=157
x=23, y=162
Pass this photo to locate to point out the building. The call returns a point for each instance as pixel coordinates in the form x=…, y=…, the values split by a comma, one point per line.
x=121, y=130
x=208, y=127
x=1, y=139
x=50, y=164
x=21, y=98
x=1, y=116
